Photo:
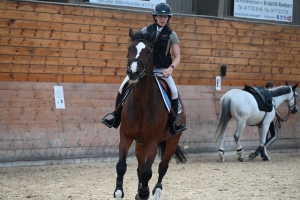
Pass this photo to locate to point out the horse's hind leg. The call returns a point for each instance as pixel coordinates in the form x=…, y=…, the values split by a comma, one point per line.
x=121, y=166
x=221, y=148
x=239, y=148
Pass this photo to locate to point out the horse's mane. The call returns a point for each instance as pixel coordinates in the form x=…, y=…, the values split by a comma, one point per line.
x=141, y=36
x=278, y=91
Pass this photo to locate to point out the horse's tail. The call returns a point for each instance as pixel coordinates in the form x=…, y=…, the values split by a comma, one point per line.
x=225, y=117
x=180, y=155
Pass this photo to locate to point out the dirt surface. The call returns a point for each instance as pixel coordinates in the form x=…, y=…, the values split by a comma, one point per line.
x=202, y=177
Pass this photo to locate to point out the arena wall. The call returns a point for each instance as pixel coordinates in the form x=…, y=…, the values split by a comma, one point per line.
x=84, y=48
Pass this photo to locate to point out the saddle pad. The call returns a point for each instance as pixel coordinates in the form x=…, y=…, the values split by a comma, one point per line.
x=166, y=98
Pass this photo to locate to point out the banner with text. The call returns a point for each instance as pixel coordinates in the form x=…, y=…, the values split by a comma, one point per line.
x=130, y=3
x=278, y=10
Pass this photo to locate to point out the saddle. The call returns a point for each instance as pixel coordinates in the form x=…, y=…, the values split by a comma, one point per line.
x=164, y=89
x=262, y=97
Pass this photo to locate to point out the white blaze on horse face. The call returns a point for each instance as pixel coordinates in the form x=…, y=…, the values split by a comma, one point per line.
x=139, y=49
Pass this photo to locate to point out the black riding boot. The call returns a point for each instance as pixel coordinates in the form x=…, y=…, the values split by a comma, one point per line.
x=174, y=128
x=115, y=121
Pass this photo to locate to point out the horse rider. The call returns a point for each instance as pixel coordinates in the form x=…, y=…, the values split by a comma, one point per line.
x=163, y=63
x=272, y=129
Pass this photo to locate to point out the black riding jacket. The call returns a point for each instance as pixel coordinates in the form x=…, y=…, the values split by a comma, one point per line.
x=161, y=51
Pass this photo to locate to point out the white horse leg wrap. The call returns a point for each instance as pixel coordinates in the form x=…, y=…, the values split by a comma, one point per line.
x=157, y=194
x=221, y=155
x=239, y=151
x=118, y=195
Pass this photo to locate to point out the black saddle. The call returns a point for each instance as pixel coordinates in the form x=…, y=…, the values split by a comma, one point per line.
x=262, y=96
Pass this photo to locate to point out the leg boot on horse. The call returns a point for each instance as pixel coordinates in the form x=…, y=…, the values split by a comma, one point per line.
x=116, y=119
x=262, y=151
x=173, y=119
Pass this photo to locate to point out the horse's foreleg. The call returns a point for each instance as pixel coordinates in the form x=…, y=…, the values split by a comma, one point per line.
x=121, y=167
x=239, y=148
x=146, y=174
x=261, y=150
x=140, y=154
x=263, y=131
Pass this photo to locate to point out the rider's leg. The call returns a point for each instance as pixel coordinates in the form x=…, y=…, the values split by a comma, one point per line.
x=116, y=119
x=273, y=133
x=174, y=128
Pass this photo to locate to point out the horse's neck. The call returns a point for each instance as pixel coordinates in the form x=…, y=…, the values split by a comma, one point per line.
x=144, y=91
x=279, y=99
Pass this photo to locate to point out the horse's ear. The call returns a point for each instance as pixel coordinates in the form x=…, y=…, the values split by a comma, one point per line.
x=295, y=86
x=130, y=33
x=286, y=83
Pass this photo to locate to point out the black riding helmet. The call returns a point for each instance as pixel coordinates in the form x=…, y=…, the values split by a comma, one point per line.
x=162, y=9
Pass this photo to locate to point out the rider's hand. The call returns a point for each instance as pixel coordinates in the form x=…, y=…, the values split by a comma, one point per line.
x=167, y=72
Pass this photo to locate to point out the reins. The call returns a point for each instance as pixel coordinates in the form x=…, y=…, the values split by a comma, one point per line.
x=279, y=120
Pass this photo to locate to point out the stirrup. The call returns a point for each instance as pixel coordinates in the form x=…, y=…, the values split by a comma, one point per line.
x=175, y=130
x=105, y=121
x=180, y=128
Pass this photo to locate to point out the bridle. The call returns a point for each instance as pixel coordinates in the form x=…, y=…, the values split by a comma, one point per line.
x=279, y=119
x=295, y=103
x=141, y=65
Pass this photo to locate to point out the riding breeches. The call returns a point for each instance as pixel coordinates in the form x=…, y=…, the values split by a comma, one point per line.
x=273, y=133
x=168, y=80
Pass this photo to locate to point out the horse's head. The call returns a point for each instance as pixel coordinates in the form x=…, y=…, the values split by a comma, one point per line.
x=140, y=55
x=293, y=108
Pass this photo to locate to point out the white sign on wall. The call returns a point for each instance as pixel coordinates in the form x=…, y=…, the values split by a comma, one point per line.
x=130, y=3
x=278, y=10
x=218, y=82
x=59, y=97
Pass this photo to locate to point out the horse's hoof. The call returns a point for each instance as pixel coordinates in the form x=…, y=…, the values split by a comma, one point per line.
x=266, y=159
x=137, y=197
x=241, y=159
x=252, y=156
x=221, y=156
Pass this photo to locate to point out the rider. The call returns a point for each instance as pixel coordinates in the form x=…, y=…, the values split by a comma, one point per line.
x=163, y=63
x=272, y=129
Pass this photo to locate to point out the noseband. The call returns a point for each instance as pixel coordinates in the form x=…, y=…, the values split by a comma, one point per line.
x=141, y=65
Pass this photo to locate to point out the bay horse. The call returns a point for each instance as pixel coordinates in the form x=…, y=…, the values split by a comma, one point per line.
x=145, y=121
x=243, y=107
